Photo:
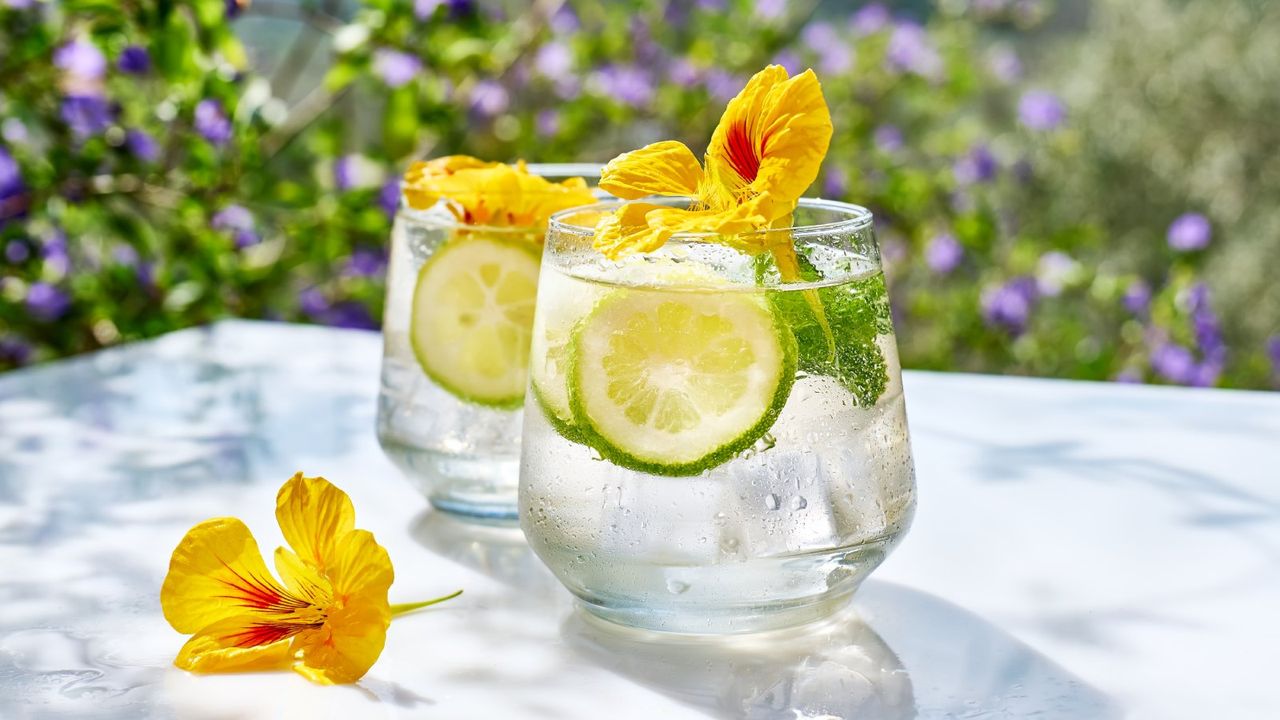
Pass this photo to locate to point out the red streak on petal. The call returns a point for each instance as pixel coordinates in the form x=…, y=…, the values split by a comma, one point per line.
x=743, y=157
x=257, y=593
x=267, y=633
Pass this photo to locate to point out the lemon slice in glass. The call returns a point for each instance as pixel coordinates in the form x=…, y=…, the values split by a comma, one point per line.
x=472, y=315
x=673, y=383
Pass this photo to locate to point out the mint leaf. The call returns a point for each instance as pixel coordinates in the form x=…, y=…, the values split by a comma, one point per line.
x=857, y=313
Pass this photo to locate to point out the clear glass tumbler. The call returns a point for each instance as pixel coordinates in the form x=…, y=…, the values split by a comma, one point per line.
x=460, y=300
x=719, y=442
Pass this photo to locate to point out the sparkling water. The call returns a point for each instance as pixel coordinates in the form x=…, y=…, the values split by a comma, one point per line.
x=779, y=533
x=463, y=456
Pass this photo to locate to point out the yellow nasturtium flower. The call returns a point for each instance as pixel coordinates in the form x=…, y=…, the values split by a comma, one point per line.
x=327, y=620
x=766, y=151
x=488, y=193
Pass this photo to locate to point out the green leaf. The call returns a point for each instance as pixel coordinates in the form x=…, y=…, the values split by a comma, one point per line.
x=858, y=313
x=400, y=122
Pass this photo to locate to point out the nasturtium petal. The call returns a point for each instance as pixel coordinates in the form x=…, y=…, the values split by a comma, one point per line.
x=303, y=581
x=361, y=569
x=421, y=188
x=484, y=193
x=772, y=138
x=346, y=647
x=663, y=168
x=216, y=573
x=313, y=515
x=228, y=646
x=627, y=231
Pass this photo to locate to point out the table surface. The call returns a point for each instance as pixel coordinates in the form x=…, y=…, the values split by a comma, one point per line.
x=1080, y=551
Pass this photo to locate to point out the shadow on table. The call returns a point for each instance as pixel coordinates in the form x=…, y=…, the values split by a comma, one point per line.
x=499, y=551
x=895, y=653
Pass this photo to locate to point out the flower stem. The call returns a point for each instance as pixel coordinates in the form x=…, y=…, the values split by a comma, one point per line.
x=402, y=608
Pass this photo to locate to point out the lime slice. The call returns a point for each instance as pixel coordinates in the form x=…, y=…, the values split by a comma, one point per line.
x=673, y=383
x=472, y=314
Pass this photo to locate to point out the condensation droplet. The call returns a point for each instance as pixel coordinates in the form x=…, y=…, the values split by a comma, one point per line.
x=771, y=501
x=676, y=587
x=799, y=503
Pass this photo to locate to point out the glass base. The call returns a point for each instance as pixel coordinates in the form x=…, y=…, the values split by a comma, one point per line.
x=475, y=488
x=723, y=620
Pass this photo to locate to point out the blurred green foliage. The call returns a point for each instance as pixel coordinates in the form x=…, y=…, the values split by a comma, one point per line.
x=1021, y=233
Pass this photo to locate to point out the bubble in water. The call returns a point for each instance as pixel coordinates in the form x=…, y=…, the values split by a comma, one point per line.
x=676, y=587
x=799, y=503
x=771, y=501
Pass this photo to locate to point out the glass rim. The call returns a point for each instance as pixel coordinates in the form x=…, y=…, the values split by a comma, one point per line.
x=858, y=218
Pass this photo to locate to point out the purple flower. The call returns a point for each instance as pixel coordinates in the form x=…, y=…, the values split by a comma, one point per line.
x=1053, y=272
x=1205, y=324
x=233, y=8
x=1009, y=306
x=13, y=349
x=943, y=253
x=142, y=145
x=564, y=21
x=1174, y=363
x=343, y=171
x=349, y=314
x=313, y=302
x=554, y=60
x=212, y=123
x=237, y=220
x=13, y=131
x=365, y=263
x=789, y=60
x=626, y=84
x=1041, y=110
x=835, y=183
x=459, y=9
x=394, y=67
x=1128, y=376
x=81, y=59
x=722, y=85
x=54, y=253
x=910, y=50
x=1137, y=298
x=10, y=176
x=125, y=255
x=978, y=166
x=1273, y=354
x=489, y=98
x=834, y=54
x=1004, y=64
x=1188, y=232
x=709, y=5
x=548, y=122
x=425, y=9
x=85, y=115
x=16, y=252
x=870, y=18
x=46, y=302
x=771, y=9
x=389, y=197
x=20, y=4
x=134, y=60
x=684, y=73
x=887, y=138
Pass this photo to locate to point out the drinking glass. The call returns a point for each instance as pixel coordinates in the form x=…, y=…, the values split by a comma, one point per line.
x=719, y=442
x=459, y=302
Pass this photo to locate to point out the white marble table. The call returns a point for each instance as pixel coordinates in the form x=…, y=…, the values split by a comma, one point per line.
x=1081, y=551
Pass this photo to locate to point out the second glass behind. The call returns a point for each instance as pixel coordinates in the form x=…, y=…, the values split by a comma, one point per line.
x=456, y=327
